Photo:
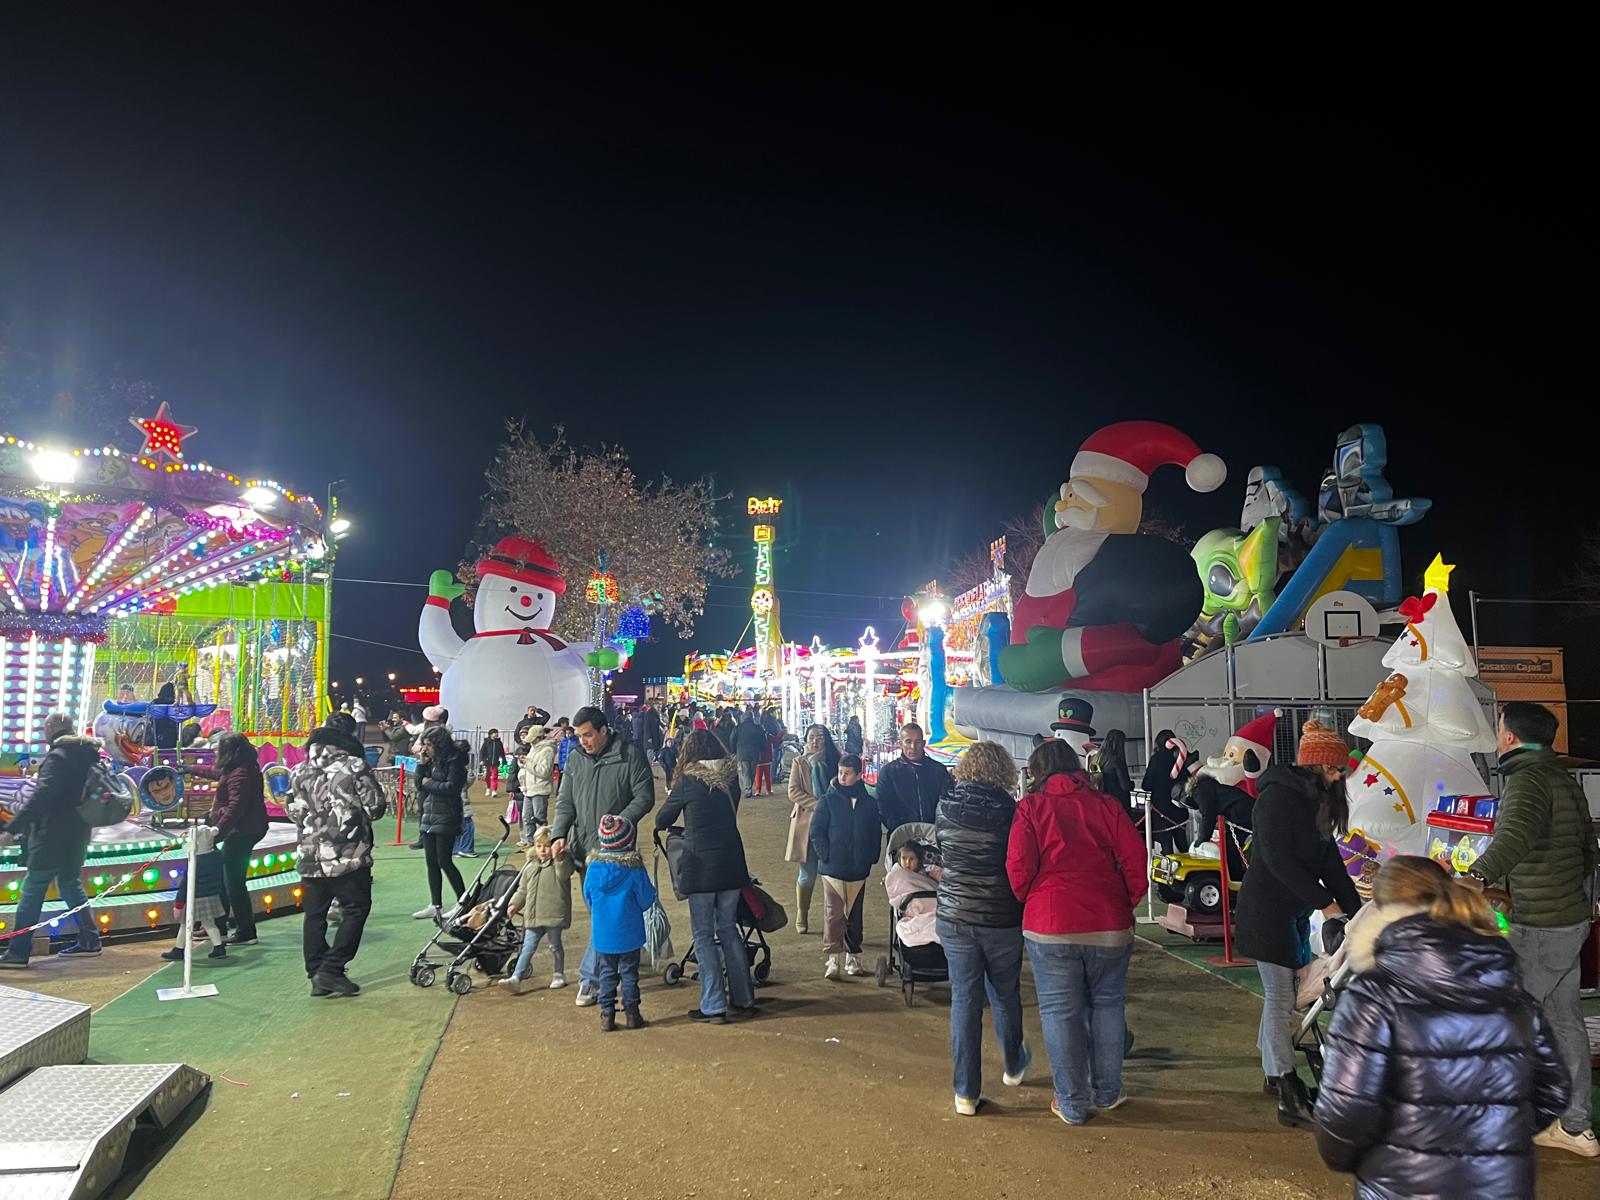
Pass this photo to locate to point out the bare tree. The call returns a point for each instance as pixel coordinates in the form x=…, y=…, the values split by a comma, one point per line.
x=655, y=534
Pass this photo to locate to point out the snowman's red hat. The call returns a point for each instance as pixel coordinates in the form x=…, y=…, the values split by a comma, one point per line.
x=524, y=560
x=1129, y=452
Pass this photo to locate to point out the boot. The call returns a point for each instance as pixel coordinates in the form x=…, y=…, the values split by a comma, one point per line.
x=802, y=906
x=1294, y=1103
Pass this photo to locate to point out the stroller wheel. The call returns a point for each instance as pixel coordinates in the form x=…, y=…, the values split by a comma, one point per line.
x=883, y=971
x=671, y=974
x=423, y=976
x=763, y=970
x=909, y=990
x=459, y=984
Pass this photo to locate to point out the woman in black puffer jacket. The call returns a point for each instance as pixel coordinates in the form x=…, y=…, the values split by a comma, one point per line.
x=711, y=874
x=979, y=918
x=442, y=780
x=1438, y=1068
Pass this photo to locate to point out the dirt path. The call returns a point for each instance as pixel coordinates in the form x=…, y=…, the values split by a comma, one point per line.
x=839, y=1089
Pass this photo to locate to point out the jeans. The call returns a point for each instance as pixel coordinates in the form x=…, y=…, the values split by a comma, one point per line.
x=236, y=853
x=747, y=778
x=1082, y=993
x=530, y=943
x=1276, y=1037
x=436, y=846
x=354, y=894
x=719, y=945
x=1548, y=962
x=806, y=875
x=535, y=812
x=982, y=959
x=615, y=967
x=30, y=904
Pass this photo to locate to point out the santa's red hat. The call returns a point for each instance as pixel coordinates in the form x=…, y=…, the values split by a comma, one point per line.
x=524, y=560
x=1129, y=452
x=1257, y=734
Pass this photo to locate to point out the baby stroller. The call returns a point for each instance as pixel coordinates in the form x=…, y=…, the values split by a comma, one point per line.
x=758, y=915
x=1324, y=978
x=914, y=964
x=477, y=929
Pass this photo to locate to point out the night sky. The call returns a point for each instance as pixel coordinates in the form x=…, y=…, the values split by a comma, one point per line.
x=895, y=280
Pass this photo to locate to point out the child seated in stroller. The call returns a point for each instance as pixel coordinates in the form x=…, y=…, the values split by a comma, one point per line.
x=913, y=882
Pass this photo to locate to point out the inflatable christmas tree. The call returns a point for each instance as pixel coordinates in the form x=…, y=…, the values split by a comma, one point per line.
x=1425, y=725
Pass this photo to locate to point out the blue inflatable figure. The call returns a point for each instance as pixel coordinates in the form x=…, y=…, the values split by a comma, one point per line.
x=1357, y=546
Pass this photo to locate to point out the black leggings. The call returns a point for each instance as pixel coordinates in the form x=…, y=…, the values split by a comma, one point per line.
x=436, y=847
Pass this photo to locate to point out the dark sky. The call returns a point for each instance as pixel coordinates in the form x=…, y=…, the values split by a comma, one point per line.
x=894, y=279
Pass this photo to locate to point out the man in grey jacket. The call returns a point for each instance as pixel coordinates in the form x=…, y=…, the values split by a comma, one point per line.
x=607, y=774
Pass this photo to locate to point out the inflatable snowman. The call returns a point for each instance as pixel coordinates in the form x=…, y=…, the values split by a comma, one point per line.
x=513, y=660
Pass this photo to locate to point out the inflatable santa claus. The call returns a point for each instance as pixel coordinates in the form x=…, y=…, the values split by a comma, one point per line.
x=1105, y=608
x=513, y=660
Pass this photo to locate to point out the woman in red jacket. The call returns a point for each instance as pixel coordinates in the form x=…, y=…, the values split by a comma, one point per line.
x=1078, y=865
x=239, y=813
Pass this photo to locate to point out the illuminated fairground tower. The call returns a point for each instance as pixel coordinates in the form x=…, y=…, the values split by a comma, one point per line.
x=764, y=608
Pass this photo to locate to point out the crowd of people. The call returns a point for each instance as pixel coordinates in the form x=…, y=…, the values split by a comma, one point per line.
x=1447, y=1019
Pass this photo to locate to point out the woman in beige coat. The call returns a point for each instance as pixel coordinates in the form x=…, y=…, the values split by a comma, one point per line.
x=808, y=781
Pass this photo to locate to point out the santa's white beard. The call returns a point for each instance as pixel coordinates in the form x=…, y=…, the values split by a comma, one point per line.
x=1229, y=774
x=1064, y=553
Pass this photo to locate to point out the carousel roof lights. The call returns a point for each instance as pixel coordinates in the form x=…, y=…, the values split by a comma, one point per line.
x=257, y=496
x=49, y=561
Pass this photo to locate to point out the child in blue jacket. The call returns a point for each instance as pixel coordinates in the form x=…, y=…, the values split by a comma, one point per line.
x=618, y=891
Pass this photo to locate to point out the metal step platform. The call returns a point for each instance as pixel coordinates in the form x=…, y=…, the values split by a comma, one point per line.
x=64, y=1131
x=65, y=1128
x=39, y=1031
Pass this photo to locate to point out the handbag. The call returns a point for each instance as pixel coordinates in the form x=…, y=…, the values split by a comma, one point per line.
x=513, y=812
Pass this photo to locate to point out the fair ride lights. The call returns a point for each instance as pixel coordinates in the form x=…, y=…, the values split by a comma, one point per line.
x=91, y=537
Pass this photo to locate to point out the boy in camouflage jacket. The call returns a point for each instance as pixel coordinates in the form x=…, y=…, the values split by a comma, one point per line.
x=335, y=799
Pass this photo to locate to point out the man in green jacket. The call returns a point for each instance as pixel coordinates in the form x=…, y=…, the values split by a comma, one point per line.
x=1544, y=850
x=607, y=774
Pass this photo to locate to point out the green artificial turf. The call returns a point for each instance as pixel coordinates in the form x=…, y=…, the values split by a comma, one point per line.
x=311, y=1097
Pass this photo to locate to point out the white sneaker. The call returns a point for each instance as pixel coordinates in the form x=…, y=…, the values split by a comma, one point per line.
x=831, y=971
x=1122, y=1098
x=558, y=981
x=852, y=965
x=1016, y=1080
x=451, y=913
x=585, y=998
x=1584, y=1144
x=512, y=984
x=426, y=914
x=965, y=1107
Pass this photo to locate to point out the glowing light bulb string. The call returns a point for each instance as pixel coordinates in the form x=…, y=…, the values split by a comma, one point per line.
x=45, y=921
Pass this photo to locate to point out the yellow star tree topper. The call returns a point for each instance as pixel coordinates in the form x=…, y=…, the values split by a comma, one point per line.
x=1437, y=576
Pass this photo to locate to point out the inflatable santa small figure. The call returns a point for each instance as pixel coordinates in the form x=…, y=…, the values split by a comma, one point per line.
x=1106, y=612
x=1226, y=787
x=513, y=660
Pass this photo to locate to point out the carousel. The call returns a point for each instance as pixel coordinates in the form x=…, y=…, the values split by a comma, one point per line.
x=156, y=601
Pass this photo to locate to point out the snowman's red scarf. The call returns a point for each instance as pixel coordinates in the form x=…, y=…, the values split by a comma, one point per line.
x=525, y=637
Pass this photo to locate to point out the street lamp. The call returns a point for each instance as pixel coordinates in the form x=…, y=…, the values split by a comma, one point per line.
x=337, y=526
x=391, y=676
x=359, y=681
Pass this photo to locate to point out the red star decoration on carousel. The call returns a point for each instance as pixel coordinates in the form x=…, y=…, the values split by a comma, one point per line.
x=1370, y=780
x=162, y=435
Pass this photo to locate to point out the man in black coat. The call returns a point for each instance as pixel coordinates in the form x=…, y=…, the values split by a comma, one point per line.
x=910, y=787
x=749, y=740
x=55, y=839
